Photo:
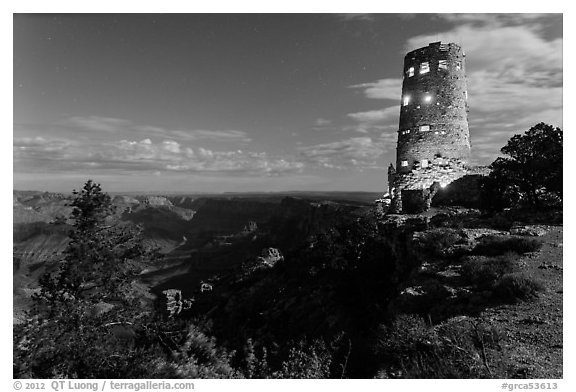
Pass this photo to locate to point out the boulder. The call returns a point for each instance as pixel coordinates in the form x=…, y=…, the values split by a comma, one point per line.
x=174, y=303
x=269, y=257
x=532, y=230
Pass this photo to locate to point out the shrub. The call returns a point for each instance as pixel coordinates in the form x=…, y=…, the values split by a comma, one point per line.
x=438, y=242
x=483, y=272
x=198, y=356
x=498, y=245
x=458, y=348
x=500, y=222
x=517, y=286
x=306, y=361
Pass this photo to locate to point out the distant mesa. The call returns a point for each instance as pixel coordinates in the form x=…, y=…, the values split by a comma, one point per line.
x=156, y=201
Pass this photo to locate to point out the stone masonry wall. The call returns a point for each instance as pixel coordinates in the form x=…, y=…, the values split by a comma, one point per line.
x=440, y=171
x=433, y=112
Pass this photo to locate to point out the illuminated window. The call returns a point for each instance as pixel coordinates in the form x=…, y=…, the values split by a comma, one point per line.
x=458, y=66
x=424, y=67
x=404, y=163
x=406, y=100
x=427, y=98
x=424, y=128
x=410, y=72
x=443, y=64
x=405, y=132
x=466, y=94
x=424, y=163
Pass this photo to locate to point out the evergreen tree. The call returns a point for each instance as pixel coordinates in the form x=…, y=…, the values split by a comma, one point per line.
x=88, y=314
x=531, y=173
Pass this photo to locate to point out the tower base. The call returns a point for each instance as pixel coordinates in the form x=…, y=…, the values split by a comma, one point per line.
x=412, y=192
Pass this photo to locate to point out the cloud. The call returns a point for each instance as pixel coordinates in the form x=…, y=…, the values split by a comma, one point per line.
x=382, y=116
x=202, y=134
x=321, y=122
x=494, y=19
x=40, y=148
x=171, y=146
x=390, y=88
x=356, y=152
x=127, y=127
x=356, y=17
x=97, y=123
x=144, y=156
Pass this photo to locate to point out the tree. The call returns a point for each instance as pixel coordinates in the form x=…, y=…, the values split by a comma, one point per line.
x=87, y=315
x=103, y=256
x=531, y=174
x=92, y=319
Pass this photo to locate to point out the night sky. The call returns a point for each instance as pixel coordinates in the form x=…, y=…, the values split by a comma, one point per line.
x=241, y=102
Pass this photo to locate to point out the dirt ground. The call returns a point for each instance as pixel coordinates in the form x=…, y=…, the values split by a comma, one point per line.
x=533, y=337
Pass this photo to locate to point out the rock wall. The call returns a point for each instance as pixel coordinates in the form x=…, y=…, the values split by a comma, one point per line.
x=423, y=183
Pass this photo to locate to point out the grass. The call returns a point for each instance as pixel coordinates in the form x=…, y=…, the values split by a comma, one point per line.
x=494, y=245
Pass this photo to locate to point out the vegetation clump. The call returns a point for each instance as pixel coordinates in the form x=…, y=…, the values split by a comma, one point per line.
x=530, y=174
x=494, y=245
x=457, y=348
x=483, y=272
x=512, y=287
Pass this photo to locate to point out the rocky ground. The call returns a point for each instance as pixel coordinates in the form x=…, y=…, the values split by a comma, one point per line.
x=531, y=337
x=532, y=330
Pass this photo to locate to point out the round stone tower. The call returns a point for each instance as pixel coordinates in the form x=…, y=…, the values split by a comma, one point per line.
x=433, y=111
x=433, y=139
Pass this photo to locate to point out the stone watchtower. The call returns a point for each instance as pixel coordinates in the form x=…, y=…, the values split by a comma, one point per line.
x=433, y=138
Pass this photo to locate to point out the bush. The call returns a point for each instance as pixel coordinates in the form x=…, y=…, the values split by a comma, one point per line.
x=457, y=348
x=306, y=361
x=198, y=356
x=440, y=242
x=498, y=245
x=483, y=272
x=517, y=286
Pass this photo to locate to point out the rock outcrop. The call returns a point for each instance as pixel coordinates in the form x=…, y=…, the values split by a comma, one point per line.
x=269, y=257
x=156, y=201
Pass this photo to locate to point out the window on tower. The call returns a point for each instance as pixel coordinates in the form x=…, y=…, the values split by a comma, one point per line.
x=443, y=64
x=406, y=100
x=404, y=163
x=410, y=72
x=424, y=67
x=427, y=98
x=424, y=163
x=424, y=128
x=458, y=66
